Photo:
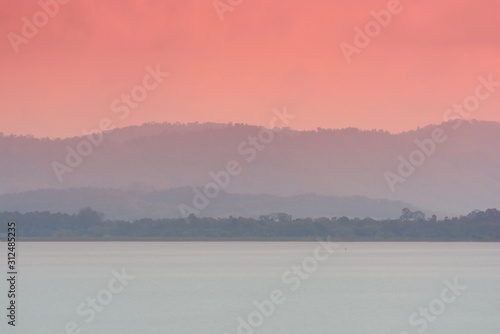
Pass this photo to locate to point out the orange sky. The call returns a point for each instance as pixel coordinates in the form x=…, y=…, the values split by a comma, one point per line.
x=264, y=54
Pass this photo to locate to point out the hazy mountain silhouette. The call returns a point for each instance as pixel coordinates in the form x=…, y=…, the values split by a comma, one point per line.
x=136, y=204
x=460, y=175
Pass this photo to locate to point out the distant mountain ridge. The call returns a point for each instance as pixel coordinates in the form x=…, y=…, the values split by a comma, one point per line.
x=461, y=174
x=136, y=204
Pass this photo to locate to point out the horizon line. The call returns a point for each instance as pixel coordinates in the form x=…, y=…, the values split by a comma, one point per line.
x=317, y=129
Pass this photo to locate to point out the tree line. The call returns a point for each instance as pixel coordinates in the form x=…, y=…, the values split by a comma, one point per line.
x=88, y=224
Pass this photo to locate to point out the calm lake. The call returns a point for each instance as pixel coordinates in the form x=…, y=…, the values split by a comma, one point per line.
x=254, y=287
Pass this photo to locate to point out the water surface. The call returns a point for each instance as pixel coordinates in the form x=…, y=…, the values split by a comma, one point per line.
x=203, y=287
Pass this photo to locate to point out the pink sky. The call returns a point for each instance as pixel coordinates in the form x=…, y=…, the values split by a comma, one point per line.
x=264, y=54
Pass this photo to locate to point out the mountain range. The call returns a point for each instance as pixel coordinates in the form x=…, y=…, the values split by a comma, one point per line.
x=163, y=170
